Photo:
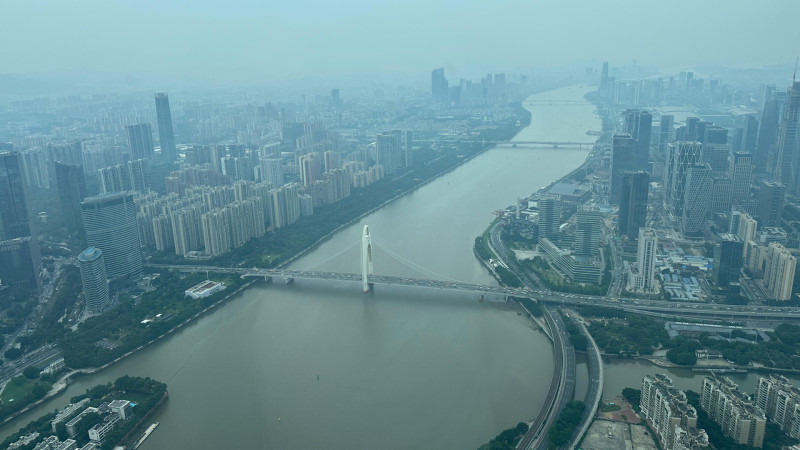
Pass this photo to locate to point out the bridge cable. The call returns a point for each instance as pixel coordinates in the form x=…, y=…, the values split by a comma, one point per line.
x=314, y=266
x=415, y=266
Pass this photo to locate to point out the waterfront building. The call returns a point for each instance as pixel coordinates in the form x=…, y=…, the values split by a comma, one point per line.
x=643, y=276
x=589, y=222
x=285, y=205
x=788, y=160
x=408, y=157
x=633, y=203
x=93, y=277
x=216, y=235
x=733, y=410
x=779, y=272
x=680, y=156
x=780, y=401
x=727, y=259
x=140, y=140
x=306, y=205
x=71, y=191
x=388, y=151
x=623, y=147
x=741, y=173
x=549, y=218
x=770, y=203
x=670, y=415
x=697, y=197
x=580, y=269
x=109, y=222
x=166, y=134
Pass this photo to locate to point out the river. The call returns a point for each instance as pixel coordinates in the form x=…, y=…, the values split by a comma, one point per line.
x=321, y=365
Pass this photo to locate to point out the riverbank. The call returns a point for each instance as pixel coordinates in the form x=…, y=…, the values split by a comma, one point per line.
x=63, y=382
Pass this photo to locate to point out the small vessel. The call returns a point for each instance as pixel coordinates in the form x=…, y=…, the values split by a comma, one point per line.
x=146, y=434
x=317, y=377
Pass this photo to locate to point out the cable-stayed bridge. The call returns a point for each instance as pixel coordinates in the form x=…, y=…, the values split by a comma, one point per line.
x=367, y=277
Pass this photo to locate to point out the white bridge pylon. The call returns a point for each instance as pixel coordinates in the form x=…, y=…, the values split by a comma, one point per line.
x=367, y=267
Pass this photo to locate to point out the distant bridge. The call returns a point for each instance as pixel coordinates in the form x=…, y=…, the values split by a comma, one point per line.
x=552, y=144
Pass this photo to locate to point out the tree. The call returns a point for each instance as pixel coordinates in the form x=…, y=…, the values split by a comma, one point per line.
x=13, y=353
x=31, y=372
x=634, y=396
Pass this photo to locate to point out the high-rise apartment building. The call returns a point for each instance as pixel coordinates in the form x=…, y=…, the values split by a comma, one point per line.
x=779, y=272
x=110, y=224
x=738, y=416
x=271, y=171
x=93, y=277
x=388, y=151
x=670, y=415
x=166, y=134
x=310, y=168
x=140, y=140
x=780, y=401
x=71, y=192
x=623, y=148
x=743, y=225
x=633, y=203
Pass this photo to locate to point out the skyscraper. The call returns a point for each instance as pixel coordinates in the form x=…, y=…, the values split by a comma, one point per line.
x=71, y=192
x=110, y=224
x=140, y=140
x=788, y=161
x=93, y=277
x=639, y=125
x=770, y=203
x=727, y=260
x=666, y=132
x=741, y=173
x=549, y=218
x=336, y=102
x=766, y=145
x=587, y=233
x=20, y=260
x=633, y=203
x=697, y=197
x=749, y=133
x=779, y=272
x=439, y=88
x=622, y=160
x=166, y=134
x=14, y=215
x=721, y=194
x=680, y=156
x=644, y=279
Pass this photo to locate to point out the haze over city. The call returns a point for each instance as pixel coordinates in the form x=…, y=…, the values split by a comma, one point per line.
x=491, y=225
x=248, y=42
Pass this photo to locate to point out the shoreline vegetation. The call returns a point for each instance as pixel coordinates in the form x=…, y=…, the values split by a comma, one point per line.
x=148, y=394
x=123, y=331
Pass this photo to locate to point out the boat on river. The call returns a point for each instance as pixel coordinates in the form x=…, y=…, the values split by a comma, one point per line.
x=145, y=435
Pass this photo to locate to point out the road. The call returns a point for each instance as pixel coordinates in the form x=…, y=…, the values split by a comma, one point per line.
x=594, y=394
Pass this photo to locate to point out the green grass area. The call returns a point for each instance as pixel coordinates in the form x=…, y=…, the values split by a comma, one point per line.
x=20, y=392
x=609, y=407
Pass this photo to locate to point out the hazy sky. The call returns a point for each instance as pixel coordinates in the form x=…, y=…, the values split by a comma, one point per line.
x=243, y=41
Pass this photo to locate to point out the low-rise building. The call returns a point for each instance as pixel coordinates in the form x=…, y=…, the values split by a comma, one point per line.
x=66, y=412
x=99, y=431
